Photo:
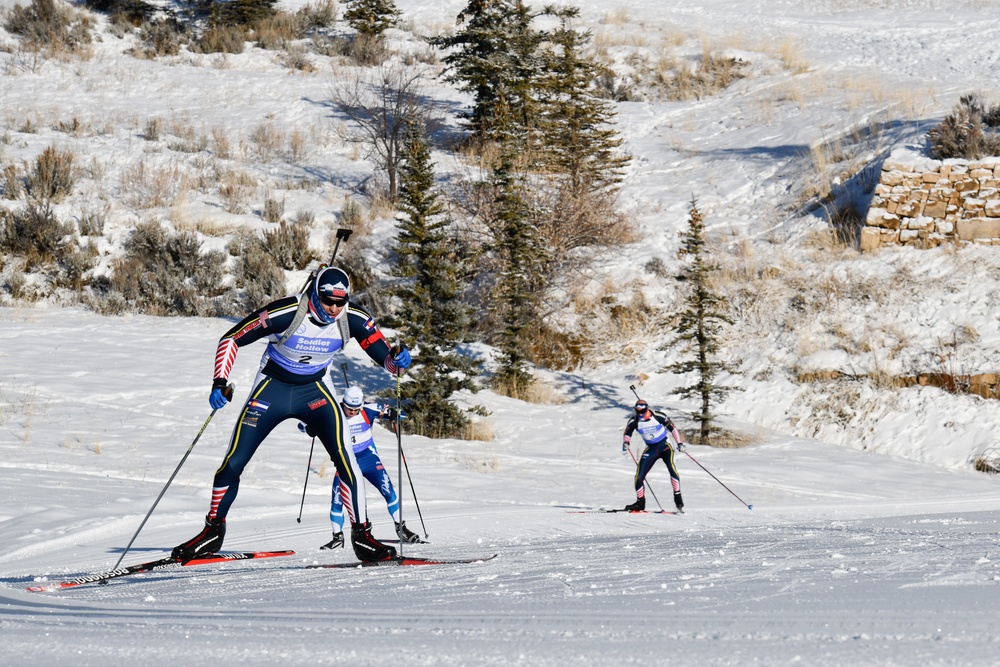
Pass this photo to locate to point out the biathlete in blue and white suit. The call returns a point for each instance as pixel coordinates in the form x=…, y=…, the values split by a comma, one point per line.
x=656, y=431
x=360, y=416
x=303, y=334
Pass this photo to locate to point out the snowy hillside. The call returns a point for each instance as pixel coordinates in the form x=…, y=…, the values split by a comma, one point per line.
x=871, y=541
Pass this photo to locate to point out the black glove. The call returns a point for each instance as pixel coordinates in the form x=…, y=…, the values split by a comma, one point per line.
x=307, y=429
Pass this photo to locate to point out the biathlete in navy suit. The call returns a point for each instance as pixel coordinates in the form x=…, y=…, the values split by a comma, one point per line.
x=303, y=334
x=656, y=430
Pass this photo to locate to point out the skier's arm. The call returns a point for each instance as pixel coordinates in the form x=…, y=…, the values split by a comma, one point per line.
x=627, y=435
x=273, y=318
x=671, y=429
x=366, y=332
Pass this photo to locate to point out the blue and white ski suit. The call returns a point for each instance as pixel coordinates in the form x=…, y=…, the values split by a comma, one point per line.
x=363, y=444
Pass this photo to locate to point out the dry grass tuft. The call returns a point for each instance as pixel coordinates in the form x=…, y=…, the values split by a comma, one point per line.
x=536, y=392
x=480, y=430
x=725, y=439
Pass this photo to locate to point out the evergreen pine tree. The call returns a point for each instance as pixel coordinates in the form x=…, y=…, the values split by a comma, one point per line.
x=576, y=127
x=521, y=257
x=429, y=293
x=371, y=18
x=495, y=57
x=700, y=325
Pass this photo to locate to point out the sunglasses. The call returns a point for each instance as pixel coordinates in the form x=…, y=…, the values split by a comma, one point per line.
x=330, y=301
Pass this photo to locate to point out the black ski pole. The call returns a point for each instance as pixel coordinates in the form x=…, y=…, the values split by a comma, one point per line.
x=305, y=484
x=399, y=453
x=749, y=507
x=401, y=463
x=342, y=235
x=228, y=393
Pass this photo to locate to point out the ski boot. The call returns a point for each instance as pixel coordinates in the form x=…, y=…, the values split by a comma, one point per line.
x=407, y=535
x=679, y=502
x=208, y=541
x=638, y=506
x=366, y=547
x=335, y=543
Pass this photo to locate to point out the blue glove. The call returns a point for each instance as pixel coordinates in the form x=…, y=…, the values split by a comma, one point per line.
x=218, y=398
x=401, y=358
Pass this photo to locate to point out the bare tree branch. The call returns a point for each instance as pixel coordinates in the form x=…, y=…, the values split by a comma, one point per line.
x=378, y=101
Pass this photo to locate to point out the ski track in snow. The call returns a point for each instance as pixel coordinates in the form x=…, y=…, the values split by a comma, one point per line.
x=874, y=591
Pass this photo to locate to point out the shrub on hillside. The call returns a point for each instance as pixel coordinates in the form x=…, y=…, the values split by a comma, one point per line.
x=964, y=134
x=321, y=15
x=11, y=182
x=48, y=24
x=34, y=233
x=135, y=12
x=288, y=245
x=992, y=117
x=162, y=37
x=256, y=272
x=162, y=273
x=223, y=39
x=52, y=176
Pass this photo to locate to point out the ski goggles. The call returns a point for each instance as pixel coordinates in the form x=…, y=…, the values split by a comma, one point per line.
x=331, y=301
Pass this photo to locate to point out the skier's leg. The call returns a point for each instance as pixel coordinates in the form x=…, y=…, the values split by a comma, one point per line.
x=254, y=425
x=321, y=411
x=336, y=514
x=675, y=480
x=641, y=470
x=336, y=505
x=378, y=476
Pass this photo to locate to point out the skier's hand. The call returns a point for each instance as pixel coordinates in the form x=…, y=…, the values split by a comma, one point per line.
x=624, y=448
x=680, y=446
x=221, y=394
x=307, y=429
x=401, y=357
x=391, y=414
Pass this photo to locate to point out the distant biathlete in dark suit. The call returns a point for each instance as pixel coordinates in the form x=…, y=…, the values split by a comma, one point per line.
x=656, y=430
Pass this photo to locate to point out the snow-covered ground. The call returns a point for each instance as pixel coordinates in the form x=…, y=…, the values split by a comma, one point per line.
x=873, y=544
x=846, y=556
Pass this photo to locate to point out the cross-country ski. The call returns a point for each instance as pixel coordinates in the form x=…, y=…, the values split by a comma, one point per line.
x=155, y=565
x=402, y=561
x=622, y=510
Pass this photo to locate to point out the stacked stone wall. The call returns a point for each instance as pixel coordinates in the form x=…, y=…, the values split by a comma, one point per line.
x=924, y=203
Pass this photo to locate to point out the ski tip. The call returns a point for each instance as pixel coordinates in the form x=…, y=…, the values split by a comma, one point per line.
x=50, y=588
